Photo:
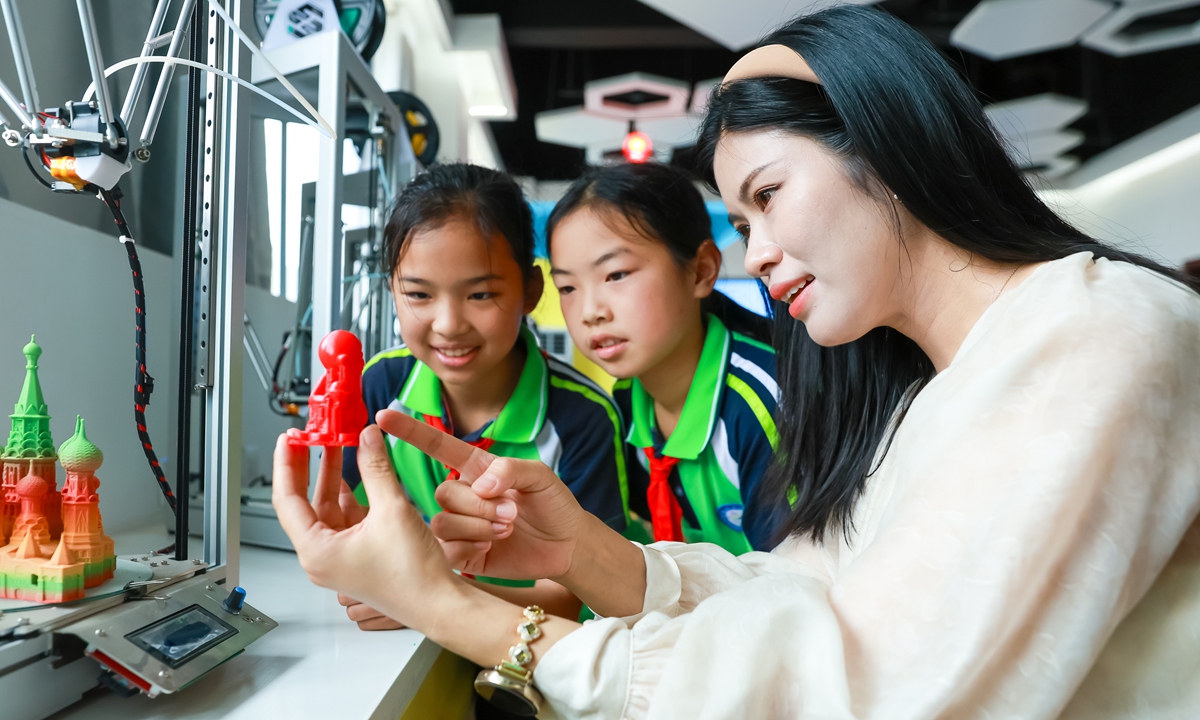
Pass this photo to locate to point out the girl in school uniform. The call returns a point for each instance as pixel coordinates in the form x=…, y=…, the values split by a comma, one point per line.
x=458, y=250
x=634, y=261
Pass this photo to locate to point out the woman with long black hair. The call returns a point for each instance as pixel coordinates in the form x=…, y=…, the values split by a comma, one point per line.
x=988, y=436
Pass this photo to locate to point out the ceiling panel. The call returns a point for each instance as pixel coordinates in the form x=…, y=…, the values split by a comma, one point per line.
x=999, y=29
x=557, y=47
x=737, y=25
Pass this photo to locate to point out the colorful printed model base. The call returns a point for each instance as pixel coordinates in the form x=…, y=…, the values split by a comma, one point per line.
x=336, y=411
x=52, y=544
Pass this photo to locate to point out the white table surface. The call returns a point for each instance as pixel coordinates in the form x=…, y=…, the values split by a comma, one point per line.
x=316, y=664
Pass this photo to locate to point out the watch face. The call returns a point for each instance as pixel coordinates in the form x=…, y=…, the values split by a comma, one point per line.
x=511, y=701
x=511, y=696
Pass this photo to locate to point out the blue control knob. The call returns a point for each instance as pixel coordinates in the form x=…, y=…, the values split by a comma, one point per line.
x=233, y=603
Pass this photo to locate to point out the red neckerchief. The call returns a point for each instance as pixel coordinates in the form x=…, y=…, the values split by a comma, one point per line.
x=665, y=513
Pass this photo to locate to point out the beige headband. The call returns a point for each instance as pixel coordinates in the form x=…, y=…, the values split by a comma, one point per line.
x=771, y=61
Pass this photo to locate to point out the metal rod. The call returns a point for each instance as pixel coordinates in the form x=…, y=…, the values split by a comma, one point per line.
x=154, y=114
x=283, y=186
x=139, y=74
x=187, y=309
x=16, y=38
x=256, y=354
x=91, y=42
x=15, y=104
x=202, y=451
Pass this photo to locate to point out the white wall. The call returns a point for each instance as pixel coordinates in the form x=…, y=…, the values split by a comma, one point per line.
x=72, y=286
x=1143, y=194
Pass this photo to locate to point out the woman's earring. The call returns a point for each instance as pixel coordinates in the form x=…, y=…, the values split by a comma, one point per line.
x=895, y=196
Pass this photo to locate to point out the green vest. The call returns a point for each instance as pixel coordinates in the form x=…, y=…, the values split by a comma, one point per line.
x=727, y=414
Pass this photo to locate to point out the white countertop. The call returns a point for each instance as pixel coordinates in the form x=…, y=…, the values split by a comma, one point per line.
x=316, y=664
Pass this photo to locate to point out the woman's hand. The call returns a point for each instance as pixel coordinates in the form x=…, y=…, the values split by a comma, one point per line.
x=367, y=617
x=503, y=517
x=515, y=519
x=333, y=500
x=386, y=558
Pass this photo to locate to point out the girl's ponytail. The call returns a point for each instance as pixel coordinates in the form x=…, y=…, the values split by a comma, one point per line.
x=737, y=318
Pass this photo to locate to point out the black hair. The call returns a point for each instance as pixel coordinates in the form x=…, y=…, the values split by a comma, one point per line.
x=903, y=122
x=490, y=198
x=661, y=204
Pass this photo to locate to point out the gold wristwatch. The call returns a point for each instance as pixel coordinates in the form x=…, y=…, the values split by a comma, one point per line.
x=509, y=685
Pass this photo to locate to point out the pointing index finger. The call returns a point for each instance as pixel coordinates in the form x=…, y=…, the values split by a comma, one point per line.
x=470, y=461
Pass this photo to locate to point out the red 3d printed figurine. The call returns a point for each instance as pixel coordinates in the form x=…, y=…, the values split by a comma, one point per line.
x=336, y=411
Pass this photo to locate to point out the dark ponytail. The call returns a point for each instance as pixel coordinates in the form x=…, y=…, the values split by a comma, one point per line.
x=662, y=205
x=903, y=122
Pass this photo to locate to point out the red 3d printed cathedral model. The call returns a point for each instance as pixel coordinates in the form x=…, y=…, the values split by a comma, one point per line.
x=52, y=544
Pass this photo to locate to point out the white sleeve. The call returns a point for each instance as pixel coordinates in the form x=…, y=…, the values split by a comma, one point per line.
x=1039, y=492
x=679, y=576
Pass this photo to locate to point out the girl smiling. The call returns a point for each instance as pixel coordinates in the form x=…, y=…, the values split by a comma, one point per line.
x=634, y=261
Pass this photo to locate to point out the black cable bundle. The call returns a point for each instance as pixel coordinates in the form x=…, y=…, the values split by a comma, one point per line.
x=143, y=383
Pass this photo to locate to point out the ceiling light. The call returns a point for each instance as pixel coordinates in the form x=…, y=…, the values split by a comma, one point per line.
x=637, y=147
x=490, y=111
x=483, y=67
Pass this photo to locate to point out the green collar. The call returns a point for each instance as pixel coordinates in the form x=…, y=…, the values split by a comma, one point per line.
x=520, y=419
x=699, y=415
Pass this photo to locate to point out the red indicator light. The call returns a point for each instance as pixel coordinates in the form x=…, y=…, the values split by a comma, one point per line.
x=637, y=147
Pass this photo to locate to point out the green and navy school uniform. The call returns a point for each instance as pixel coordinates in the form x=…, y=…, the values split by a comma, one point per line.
x=555, y=414
x=723, y=443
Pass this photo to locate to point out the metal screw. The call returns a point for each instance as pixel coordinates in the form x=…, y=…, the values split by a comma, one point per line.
x=100, y=632
x=144, y=557
x=22, y=621
x=209, y=587
x=257, y=619
x=153, y=564
x=142, y=154
x=165, y=562
x=197, y=561
x=164, y=673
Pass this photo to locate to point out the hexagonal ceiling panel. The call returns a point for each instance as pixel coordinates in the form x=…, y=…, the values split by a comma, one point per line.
x=1035, y=114
x=636, y=95
x=577, y=127
x=1034, y=131
x=1001, y=29
x=739, y=24
x=1146, y=26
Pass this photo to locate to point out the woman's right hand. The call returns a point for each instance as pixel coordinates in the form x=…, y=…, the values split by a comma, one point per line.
x=503, y=517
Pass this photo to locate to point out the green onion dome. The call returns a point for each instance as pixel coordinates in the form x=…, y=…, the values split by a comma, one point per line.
x=78, y=454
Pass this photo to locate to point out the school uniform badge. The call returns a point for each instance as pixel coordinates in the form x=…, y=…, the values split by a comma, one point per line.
x=731, y=515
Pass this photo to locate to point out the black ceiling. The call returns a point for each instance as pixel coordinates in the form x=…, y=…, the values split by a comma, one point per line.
x=556, y=46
